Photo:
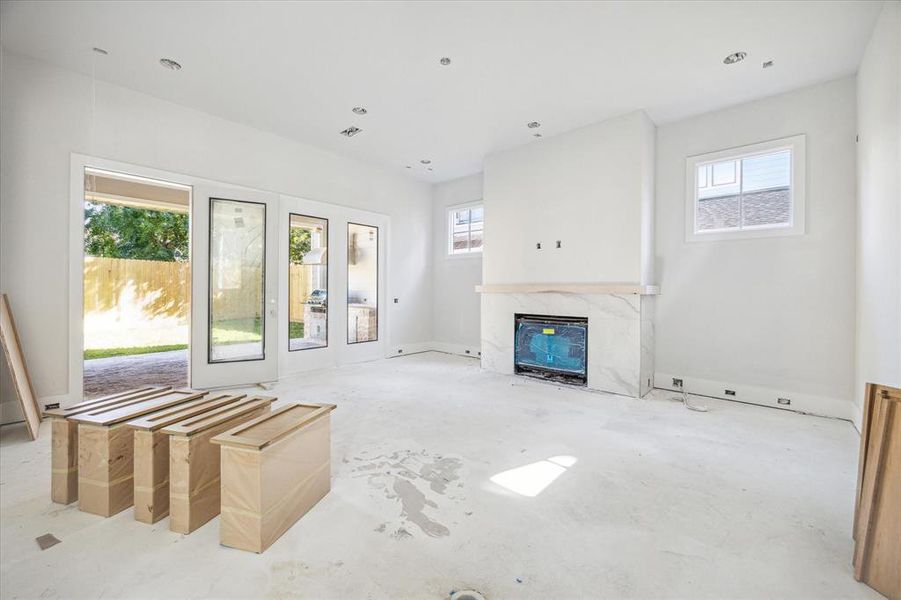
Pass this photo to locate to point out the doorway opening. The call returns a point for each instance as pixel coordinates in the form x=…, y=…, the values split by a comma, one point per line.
x=137, y=283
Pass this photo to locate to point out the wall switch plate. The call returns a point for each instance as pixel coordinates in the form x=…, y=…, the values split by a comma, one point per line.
x=538, y=246
x=729, y=392
x=396, y=300
x=400, y=350
x=785, y=401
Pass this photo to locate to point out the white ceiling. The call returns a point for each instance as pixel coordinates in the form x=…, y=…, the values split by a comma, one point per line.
x=297, y=69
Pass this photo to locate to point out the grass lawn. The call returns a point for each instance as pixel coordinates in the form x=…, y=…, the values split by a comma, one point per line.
x=295, y=330
x=90, y=354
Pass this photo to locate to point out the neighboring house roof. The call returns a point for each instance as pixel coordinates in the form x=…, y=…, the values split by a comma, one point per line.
x=768, y=207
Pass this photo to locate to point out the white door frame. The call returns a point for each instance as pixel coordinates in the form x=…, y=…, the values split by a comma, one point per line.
x=78, y=164
x=338, y=351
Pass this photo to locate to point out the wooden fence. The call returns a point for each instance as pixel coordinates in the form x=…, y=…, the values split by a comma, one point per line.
x=163, y=289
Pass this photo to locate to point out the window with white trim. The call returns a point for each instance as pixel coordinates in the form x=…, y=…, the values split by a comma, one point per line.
x=465, y=228
x=751, y=191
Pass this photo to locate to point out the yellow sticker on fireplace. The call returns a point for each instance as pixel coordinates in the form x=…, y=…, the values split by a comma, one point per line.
x=547, y=331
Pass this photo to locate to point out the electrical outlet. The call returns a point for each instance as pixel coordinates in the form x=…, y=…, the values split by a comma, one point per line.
x=677, y=382
x=51, y=406
x=467, y=352
x=729, y=392
x=785, y=401
x=559, y=244
x=400, y=350
x=538, y=246
x=396, y=300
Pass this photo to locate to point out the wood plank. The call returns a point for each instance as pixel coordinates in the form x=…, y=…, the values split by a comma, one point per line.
x=268, y=429
x=877, y=552
x=180, y=412
x=215, y=418
x=137, y=408
x=18, y=369
x=106, y=401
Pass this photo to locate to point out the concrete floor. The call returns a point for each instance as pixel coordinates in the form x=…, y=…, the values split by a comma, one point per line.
x=660, y=502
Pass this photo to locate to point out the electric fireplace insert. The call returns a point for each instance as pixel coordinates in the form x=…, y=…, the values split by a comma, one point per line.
x=552, y=347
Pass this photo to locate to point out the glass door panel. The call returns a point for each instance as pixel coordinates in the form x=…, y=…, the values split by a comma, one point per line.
x=362, y=283
x=237, y=275
x=307, y=282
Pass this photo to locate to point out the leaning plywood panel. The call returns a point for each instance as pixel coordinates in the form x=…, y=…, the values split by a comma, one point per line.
x=18, y=370
x=274, y=469
x=106, y=451
x=877, y=523
x=151, y=450
x=64, y=439
x=194, y=473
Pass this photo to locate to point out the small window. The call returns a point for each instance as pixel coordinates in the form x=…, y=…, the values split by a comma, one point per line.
x=752, y=191
x=465, y=227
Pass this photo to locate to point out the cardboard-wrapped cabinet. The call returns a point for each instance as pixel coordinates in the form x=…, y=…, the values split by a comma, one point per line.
x=274, y=469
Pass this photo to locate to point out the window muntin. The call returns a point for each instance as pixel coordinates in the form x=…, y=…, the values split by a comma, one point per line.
x=307, y=282
x=466, y=225
x=747, y=192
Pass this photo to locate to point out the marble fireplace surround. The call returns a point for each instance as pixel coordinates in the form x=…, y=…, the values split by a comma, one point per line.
x=620, y=328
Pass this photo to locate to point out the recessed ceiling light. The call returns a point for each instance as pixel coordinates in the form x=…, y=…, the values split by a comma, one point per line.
x=734, y=58
x=359, y=110
x=170, y=64
x=426, y=161
x=533, y=125
x=768, y=64
x=100, y=51
x=351, y=131
x=409, y=167
x=445, y=61
x=430, y=168
x=536, y=134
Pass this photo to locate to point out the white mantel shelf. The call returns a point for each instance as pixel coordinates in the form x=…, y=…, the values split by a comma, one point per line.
x=568, y=288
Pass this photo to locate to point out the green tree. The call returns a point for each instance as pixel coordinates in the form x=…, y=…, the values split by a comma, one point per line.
x=115, y=231
x=298, y=244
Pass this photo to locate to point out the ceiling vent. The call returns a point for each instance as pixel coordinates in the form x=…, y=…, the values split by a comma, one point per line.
x=351, y=131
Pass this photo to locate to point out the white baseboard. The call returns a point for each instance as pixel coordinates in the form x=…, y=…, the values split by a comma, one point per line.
x=812, y=404
x=459, y=349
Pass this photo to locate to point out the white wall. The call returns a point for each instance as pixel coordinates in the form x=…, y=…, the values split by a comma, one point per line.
x=766, y=317
x=878, y=355
x=46, y=114
x=590, y=188
x=455, y=303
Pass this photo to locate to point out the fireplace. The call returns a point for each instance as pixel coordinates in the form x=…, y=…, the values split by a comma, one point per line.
x=551, y=347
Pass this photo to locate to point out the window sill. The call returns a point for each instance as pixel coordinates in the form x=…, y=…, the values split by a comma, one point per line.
x=463, y=255
x=744, y=234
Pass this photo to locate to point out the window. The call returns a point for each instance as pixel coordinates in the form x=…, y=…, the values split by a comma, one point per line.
x=307, y=283
x=465, y=225
x=752, y=191
x=362, y=283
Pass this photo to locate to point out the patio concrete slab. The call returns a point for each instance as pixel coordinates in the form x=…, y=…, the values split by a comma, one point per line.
x=103, y=376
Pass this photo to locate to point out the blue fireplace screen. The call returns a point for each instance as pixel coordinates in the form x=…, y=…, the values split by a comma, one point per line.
x=553, y=347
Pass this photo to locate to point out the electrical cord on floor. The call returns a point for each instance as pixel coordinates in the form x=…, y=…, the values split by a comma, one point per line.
x=695, y=407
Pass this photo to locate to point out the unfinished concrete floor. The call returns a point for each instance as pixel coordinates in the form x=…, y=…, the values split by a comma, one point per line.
x=650, y=501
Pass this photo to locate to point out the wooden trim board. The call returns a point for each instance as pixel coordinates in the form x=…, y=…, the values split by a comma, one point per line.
x=194, y=462
x=18, y=369
x=64, y=440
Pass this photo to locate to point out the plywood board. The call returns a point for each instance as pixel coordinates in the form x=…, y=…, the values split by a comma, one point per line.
x=64, y=439
x=18, y=370
x=877, y=526
x=274, y=470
